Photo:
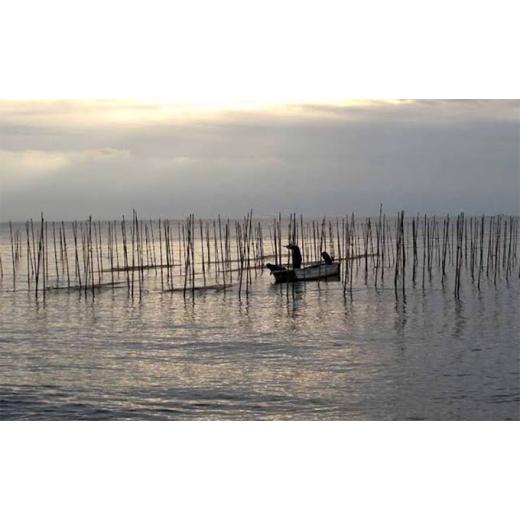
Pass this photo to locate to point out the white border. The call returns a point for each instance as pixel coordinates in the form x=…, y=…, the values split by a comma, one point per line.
x=259, y=470
x=272, y=51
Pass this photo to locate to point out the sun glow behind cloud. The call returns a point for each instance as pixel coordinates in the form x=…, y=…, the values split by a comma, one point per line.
x=137, y=113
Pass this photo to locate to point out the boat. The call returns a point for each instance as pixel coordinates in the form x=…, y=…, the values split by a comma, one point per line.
x=313, y=272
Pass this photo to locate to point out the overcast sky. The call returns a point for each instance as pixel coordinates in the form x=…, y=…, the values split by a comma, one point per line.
x=102, y=158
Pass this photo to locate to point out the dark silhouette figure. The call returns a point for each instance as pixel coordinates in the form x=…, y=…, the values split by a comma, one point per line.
x=296, y=256
x=274, y=267
x=328, y=259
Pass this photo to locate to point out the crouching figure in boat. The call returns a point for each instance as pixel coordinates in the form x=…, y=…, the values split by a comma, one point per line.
x=296, y=273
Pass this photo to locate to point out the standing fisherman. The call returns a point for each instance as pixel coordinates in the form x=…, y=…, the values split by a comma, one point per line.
x=296, y=256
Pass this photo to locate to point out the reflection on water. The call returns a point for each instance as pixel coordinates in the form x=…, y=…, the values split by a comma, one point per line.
x=284, y=352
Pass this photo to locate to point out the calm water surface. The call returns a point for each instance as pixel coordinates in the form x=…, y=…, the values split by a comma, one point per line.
x=307, y=354
x=284, y=352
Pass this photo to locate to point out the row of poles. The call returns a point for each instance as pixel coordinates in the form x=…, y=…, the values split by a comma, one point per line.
x=192, y=254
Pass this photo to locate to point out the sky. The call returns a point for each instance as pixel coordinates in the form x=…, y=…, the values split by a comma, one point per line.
x=71, y=159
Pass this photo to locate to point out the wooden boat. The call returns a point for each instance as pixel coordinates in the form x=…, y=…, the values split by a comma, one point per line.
x=305, y=274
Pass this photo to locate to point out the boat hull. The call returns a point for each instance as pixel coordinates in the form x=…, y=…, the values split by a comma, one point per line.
x=307, y=274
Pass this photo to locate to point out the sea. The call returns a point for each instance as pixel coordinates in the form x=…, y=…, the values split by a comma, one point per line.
x=305, y=351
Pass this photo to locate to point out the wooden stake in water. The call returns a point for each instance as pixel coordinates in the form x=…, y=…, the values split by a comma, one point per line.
x=12, y=255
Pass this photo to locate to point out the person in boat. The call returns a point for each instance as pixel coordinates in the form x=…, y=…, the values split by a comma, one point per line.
x=296, y=259
x=296, y=256
x=327, y=258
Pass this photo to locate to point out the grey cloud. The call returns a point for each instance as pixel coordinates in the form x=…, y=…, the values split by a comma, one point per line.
x=434, y=156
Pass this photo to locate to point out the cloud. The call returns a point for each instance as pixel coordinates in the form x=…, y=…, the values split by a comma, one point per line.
x=21, y=169
x=15, y=163
x=72, y=159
